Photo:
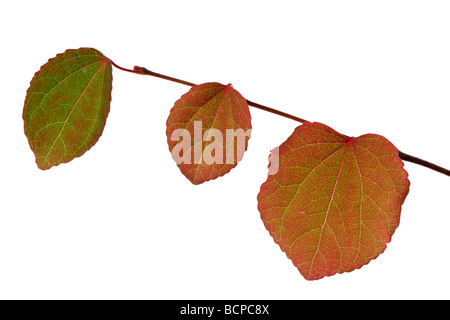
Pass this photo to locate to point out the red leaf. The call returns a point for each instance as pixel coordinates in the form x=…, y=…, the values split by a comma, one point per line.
x=208, y=130
x=335, y=201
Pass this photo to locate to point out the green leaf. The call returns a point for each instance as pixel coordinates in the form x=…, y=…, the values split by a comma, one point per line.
x=66, y=106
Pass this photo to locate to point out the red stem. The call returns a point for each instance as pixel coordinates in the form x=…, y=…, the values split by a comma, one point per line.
x=144, y=71
x=401, y=155
x=124, y=69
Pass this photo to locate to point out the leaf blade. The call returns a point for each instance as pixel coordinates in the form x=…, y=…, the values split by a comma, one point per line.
x=335, y=201
x=67, y=105
x=205, y=108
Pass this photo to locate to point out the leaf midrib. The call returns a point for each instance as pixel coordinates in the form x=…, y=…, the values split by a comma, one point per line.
x=225, y=91
x=346, y=145
x=103, y=63
x=305, y=179
x=61, y=81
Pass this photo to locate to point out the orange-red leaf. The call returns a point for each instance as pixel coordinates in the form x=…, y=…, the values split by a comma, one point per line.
x=208, y=130
x=335, y=201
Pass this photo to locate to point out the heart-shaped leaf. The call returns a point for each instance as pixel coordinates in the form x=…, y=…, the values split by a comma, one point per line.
x=208, y=130
x=333, y=202
x=66, y=105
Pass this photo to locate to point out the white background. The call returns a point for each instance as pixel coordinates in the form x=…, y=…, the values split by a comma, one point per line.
x=122, y=222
